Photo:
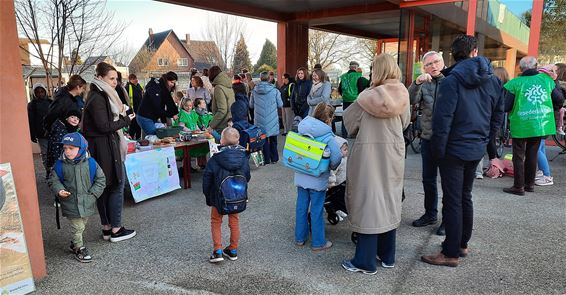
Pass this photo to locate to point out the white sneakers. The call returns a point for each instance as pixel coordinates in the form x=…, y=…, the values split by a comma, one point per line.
x=544, y=180
x=560, y=131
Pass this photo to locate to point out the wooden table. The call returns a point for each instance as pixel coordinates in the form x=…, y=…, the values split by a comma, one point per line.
x=186, y=147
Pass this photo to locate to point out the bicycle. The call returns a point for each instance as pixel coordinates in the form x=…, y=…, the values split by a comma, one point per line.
x=503, y=137
x=413, y=132
x=560, y=141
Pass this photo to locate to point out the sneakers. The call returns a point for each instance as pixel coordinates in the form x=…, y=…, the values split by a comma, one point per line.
x=539, y=174
x=560, y=131
x=106, y=234
x=383, y=264
x=347, y=265
x=81, y=254
x=326, y=246
x=424, y=221
x=122, y=234
x=230, y=254
x=216, y=256
x=544, y=180
x=479, y=176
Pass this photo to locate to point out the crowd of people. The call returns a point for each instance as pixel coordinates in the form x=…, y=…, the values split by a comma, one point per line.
x=83, y=142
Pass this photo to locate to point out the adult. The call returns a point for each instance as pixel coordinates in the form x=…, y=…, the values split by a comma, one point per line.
x=122, y=93
x=530, y=100
x=300, y=93
x=320, y=90
x=424, y=92
x=350, y=86
x=197, y=90
x=38, y=108
x=103, y=119
x=67, y=98
x=135, y=93
x=223, y=99
x=238, y=86
x=157, y=103
x=287, y=114
x=272, y=78
x=194, y=72
x=266, y=99
x=376, y=165
x=469, y=108
x=206, y=82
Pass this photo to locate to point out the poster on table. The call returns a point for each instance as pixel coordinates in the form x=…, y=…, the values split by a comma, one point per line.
x=152, y=173
x=15, y=268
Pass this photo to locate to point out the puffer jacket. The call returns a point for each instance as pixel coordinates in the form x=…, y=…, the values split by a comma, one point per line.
x=425, y=94
x=299, y=97
x=76, y=180
x=265, y=100
x=321, y=132
x=223, y=99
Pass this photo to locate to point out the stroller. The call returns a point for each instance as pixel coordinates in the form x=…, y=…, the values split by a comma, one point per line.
x=334, y=201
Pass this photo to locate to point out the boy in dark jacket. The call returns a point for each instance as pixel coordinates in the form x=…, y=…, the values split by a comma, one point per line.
x=76, y=189
x=230, y=159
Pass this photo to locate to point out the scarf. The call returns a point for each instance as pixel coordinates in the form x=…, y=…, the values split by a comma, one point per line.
x=316, y=87
x=117, y=109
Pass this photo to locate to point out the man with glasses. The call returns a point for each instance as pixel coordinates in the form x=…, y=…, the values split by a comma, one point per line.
x=423, y=91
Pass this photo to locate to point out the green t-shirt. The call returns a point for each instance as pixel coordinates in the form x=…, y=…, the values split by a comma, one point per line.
x=532, y=114
x=190, y=119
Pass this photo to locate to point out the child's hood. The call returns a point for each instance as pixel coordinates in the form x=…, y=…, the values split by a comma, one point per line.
x=340, y=141
x=314, y=127
x=231, y=157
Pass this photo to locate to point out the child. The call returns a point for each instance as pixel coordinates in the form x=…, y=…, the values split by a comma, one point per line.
x=77, y=189
x=335, y=203
x=188, y=118
x=312, y=190
x=58, y=130
x=229, y=160
x=204, y=117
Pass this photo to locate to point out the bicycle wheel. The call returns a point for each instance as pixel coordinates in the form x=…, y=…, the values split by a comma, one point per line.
x=560, y=140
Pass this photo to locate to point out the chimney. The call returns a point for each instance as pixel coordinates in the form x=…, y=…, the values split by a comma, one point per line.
x=188, y=39
x=150, y=36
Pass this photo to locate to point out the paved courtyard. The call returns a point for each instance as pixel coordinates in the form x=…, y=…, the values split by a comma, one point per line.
x=518, y=245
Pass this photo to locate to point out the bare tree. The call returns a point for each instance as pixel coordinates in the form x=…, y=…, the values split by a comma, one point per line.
x=368, y=49
x=329, y=49
x=225, y=31
x=72, y=28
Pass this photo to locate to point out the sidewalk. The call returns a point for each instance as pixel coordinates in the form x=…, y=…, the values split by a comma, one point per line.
x=518, y=245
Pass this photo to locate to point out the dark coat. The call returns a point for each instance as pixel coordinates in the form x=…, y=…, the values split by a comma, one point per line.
x=62, y=104
x=230, y=159
x=286, y=91
x=38, y=109
x=54, y=147
x=99, y=129
x=239, y=88
x=299, y=97
x=240, y=108
x=157, y=102
x=468, y=109
x=137, y=95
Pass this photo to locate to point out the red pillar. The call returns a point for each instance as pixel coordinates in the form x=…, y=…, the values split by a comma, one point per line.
x=410, y=48
x=536, y=21
x=472, y=11
x=292, y=47
x=15, y=144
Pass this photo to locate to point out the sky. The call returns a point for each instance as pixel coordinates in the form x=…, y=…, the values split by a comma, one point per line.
x=140, y=15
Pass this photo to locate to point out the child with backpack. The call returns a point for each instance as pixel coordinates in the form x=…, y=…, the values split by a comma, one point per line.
x=311, y=190
x=224, y=185
x=78, y=181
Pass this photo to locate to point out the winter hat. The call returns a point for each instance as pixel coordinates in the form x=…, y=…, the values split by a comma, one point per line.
x=76, y=139
x=73, y=112
x=354, y=63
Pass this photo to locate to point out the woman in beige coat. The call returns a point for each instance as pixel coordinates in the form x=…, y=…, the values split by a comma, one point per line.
x=376, y=165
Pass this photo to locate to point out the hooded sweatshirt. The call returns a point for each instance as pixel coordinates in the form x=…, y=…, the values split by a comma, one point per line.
x=321, y=132
x=469, y=108
x=265, y=100
x=230, y=159
x=38, y=108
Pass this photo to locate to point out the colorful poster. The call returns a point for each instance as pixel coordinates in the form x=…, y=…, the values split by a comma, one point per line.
x=15, y=268
x=152, y=173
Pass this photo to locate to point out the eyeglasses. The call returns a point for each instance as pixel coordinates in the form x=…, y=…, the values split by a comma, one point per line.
x=436, y=62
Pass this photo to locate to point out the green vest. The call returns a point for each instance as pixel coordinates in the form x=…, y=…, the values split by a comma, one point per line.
x=532, y=113
x=350, y=86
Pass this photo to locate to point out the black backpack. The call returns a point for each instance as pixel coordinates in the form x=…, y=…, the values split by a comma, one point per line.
x=233, y=195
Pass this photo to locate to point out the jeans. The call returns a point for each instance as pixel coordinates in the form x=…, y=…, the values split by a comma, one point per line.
x=216, y=229
x=429, y=174
x=315, y=199
x=368, y=246
x=457, y=178
x=111, y=203
x=270, y=153
x=43, y=146
x=525, y=152
x=345, y=105
x=542, y=160
x=78, y=226
x=146, y=124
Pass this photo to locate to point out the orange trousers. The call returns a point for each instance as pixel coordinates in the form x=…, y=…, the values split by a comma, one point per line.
x=216, y=229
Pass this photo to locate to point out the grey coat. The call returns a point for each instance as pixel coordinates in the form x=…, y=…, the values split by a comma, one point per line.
x=425, y=94
x=322, y=94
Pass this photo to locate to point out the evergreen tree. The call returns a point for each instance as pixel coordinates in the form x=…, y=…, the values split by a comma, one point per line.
x=241, y=57
x=268, y=55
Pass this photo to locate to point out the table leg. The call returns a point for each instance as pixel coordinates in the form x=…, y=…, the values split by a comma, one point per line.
x=186, y=168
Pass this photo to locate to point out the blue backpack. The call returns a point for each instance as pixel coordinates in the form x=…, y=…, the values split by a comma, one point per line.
x=233, y=194
x=252, y=137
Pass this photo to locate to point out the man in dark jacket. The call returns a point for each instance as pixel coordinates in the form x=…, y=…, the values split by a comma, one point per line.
x=468, y=109
x=135, y=92
x=38, y=108
x=157, y=103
